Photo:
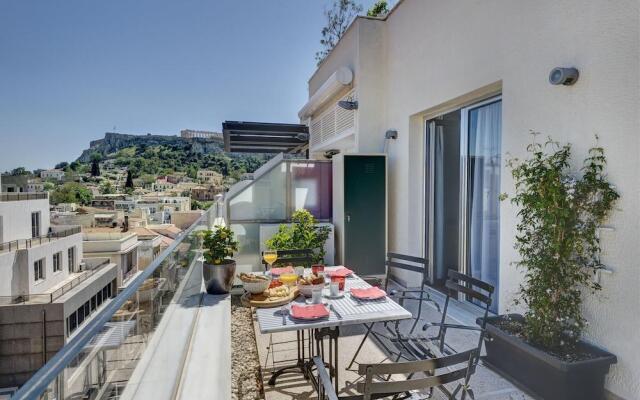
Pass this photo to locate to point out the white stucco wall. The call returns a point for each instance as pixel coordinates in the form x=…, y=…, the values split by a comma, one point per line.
x=438, y=55
x=16, y=218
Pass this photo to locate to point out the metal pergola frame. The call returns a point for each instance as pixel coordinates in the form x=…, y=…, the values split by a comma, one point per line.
x=264, y=137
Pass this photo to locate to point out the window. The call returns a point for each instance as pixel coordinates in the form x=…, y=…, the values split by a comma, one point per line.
x=57, y=262
x=35, y=224
x=73, y=324
x=38, y=270
x=99, y=297
x=87, y=309
x=71, y=253
x=80, y=314
x=93, y=303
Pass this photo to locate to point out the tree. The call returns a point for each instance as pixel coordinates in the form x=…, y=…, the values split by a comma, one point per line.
x=95, y=164
x=107, y=188
x=379, y=9
x=560, y=212
x=129, y=183
x=19, y=171
x=62, y=165
x=339, y=17
x=71, y=192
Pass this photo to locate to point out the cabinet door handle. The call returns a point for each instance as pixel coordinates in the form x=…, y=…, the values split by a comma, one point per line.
x=348, y=218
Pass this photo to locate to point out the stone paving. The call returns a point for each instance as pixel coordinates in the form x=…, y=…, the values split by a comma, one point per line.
x=485, y=383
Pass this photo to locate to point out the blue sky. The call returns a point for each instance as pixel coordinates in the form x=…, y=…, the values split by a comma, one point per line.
x=71, y=70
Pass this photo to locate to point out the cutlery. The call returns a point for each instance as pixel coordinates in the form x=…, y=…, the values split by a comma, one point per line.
x=332, y=308
x=283, y=311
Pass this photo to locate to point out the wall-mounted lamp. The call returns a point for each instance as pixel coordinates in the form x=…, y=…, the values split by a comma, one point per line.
x=330, y=153
x=303, y=137
x=348, y=105
x=391, y=134
x=563, y=76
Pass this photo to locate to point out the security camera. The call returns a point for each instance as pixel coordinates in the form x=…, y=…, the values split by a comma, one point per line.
x=563, y=76
x=330, y=153
x=348, y=105
x=391, y=134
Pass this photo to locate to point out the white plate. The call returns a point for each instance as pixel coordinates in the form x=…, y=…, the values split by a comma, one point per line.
x=309, y=302
x=327, y=293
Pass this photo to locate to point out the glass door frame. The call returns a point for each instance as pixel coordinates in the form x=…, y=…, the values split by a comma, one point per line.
x=429, y=192
x=464, y=214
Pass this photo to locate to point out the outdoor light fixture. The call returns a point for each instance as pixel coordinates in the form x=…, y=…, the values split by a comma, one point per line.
x=304, y=137
x=391, y=134
x=563, y=76
x=348, y=105
x=331, y=153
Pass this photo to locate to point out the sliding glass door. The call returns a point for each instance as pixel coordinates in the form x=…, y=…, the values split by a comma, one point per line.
x=463, y=164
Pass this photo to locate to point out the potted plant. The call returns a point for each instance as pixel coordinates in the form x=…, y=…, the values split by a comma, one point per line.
x=219, y=269
x=303, y=233
x=559, y=215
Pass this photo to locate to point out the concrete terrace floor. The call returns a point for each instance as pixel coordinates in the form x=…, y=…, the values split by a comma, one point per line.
x=485, y=383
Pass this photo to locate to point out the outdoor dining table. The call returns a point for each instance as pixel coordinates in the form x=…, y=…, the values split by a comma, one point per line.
x=344, y=311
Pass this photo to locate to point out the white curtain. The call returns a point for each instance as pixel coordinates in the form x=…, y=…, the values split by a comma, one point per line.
x=485, y=128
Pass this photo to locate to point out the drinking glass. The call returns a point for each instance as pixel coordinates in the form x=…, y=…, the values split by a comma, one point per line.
x=270, y=256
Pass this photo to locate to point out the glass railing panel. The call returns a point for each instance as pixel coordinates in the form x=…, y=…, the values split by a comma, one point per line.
x=100, y=368
x=248, y=258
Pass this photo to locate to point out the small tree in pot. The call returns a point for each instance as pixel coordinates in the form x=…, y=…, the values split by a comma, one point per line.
x=303, y=233
x=219, y=269
x=557, y=238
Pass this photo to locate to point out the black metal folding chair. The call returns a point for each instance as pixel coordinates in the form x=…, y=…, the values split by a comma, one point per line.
x=424, y=346
x=294, y=257
x=432, y=374
x=407, y=263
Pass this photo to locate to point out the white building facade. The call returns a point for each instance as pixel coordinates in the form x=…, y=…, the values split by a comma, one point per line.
x=460, y=82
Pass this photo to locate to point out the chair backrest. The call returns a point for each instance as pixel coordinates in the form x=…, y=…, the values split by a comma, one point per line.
x=294, y=257
x=458, y=366
x=406, y=263
x=474, y=288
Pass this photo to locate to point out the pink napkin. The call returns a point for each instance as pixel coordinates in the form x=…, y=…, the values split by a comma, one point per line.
x=313, y=311
x=340, y=272
x=280, y=271
x=371, y=293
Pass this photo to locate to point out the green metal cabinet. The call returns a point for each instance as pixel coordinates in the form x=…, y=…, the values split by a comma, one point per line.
x=362, y=212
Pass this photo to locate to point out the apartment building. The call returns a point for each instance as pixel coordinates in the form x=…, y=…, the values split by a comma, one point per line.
x=210, y=177
x=121, y=248
x=448, y=91
x=48, y=290
x=54, y=174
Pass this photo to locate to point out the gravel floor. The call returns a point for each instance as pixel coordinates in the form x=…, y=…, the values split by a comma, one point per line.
x=246, y=379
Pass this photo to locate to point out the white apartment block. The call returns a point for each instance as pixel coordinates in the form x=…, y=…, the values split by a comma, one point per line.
x=457, y=85
x=121, y=248
x=46, y=285
x=56, y=174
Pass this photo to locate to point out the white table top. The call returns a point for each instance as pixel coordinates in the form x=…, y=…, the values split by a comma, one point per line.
x=352, y=312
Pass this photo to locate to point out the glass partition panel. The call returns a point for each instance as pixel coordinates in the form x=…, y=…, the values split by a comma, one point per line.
x=102, y=366
x=311, y=187
x=263, y=199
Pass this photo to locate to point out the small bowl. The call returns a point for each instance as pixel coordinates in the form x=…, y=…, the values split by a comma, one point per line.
x=256, y=287
x=306, y=290
x=289, y=279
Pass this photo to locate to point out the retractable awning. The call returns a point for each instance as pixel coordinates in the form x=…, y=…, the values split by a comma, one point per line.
x=264, y=137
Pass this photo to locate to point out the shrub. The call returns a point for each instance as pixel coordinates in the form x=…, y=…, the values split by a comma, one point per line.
x=559, y=215
x=303, y=233
x=219, y=245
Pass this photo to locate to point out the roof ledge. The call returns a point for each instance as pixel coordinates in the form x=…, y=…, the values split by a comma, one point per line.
x=342, y=77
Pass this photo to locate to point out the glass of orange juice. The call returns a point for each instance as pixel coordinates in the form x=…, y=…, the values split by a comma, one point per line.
x=270, y=256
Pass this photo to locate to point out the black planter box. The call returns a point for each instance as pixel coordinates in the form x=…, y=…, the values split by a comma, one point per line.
x=544, y=375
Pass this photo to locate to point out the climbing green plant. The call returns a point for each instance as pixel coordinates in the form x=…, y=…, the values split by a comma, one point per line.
x=303, y=233
x=557, y=239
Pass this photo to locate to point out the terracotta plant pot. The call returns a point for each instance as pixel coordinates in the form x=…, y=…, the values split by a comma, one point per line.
x=218, y=278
